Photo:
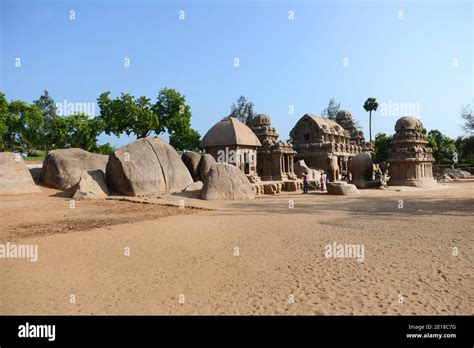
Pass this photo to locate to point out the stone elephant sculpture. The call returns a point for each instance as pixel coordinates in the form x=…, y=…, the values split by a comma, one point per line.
x=362, y=167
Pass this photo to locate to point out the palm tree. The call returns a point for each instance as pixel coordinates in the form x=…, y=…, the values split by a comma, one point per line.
x=370, y=105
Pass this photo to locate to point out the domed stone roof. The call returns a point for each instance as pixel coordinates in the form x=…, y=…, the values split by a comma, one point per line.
x=408, y=123
x=261, y=120
x=228, y=132
x=343, y=116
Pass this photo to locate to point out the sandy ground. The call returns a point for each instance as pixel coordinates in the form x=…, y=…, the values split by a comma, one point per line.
x=252, y=257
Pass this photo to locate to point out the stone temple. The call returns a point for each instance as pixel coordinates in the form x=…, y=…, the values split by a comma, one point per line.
x=410, y=159
x=231, y=141
x=275, y=157
x=315, y=138
x=344, y=119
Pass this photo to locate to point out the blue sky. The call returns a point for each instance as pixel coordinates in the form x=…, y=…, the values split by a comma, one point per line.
x=414, y=54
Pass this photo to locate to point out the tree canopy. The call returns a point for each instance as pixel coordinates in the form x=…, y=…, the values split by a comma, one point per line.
x=331, y=110
x=243, y=110
x=139, y=116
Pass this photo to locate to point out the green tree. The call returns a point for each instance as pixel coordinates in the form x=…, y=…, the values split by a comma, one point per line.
x=81, y=131
x=3, y=119
x=465, y=149
x=128, y=115
x=49, y=111
x=382, y=147
x=139, y=116
x=443, y=147
x=21, y=127
x=243, y=110
x=369, y=106
x=468, y=115
x=175, y=117
x=331, y=111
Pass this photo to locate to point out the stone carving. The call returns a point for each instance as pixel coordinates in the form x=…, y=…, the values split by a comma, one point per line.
x=231, y=141
x=410, y=159
x=362, y=169
x=314, y=138
x=332, y=168
x=274, y=157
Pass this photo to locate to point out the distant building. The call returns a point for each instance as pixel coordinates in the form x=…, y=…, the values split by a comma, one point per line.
x=315, y=139
x=231, y=141
x=274, y=158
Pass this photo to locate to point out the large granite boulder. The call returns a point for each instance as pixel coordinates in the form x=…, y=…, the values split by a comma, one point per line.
x=14, y=175
x=92, y=185
x=191, y=160
x=205, y=165
x=62, y=169
x=342, y=188
x=225, y=181
x=362, y=169
x=146, y=166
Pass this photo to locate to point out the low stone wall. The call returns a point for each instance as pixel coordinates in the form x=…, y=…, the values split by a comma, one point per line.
x=275, y=187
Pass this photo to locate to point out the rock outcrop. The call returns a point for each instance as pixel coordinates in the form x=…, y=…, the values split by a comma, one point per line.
x=146, y=166
x=191, y=160
x=205, y=165
x=62, y=169
x=92, y=185
x=14, y=175
x=225, y=181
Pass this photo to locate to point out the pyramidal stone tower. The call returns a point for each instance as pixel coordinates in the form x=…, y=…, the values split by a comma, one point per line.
x=410, y=158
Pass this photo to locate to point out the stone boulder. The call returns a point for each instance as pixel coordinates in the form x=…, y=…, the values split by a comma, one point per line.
x=191, y=160
x=14, y=175
x=146, y=166
x=195, y=186
x=205, y=165
x=455, y=173
x=225, y=181
x=444, y=178
x=362, y=169
x=62, y=169
x=92, y=185
x=342, y=188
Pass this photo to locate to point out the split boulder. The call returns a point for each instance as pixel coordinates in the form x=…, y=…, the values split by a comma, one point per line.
x=146, y=166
